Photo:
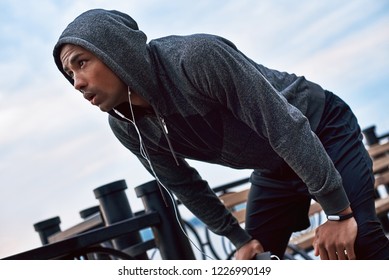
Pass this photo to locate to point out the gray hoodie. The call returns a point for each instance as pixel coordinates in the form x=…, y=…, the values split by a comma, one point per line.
x=210, y=103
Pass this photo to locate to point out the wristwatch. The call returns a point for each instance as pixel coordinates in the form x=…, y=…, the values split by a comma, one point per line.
x=340, y=217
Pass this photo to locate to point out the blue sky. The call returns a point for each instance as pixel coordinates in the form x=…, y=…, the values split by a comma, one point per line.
x=55, y=148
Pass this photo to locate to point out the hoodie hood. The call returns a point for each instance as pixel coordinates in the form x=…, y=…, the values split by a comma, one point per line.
x=115, y=39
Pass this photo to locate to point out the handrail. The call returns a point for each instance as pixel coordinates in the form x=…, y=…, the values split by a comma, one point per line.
x=90, y=223
x=68, y=246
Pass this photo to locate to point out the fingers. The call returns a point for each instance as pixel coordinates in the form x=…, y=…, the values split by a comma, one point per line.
x=335, y=241
x=350, y=252
x=323, y=254
x=249, y=250
x=316, y=249
x=341, y=254
x=333, y=253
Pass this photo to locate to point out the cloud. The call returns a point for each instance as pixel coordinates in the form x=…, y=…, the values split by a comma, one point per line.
x=359, y=54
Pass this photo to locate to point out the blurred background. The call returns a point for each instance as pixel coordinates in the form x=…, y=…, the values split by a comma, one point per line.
x=55, y=148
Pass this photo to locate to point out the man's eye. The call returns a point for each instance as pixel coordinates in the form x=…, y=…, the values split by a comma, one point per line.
x=81, y=63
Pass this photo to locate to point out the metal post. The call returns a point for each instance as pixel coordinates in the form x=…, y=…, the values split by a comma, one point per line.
x=89, y=211
x=171, y=241
x=47, y=228
x=114, y=207
x=370, y=135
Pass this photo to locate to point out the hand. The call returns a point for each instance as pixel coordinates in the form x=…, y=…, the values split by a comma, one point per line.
x=249, y=250
x=334, y=240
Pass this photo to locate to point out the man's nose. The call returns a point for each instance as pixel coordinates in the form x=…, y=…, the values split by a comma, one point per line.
x=79, y=83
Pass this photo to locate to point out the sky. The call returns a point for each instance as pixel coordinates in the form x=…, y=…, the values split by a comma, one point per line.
x=55, y=148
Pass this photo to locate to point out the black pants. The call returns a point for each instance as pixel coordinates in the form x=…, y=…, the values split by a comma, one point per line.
x=278, y=203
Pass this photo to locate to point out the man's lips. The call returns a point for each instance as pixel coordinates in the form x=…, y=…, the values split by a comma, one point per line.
x=89, y=96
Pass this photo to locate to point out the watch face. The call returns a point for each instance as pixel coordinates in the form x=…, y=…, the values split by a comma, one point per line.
x=339, y=217
x=333, y=217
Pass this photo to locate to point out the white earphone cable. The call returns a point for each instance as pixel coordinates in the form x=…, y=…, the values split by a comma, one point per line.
x=144, y=154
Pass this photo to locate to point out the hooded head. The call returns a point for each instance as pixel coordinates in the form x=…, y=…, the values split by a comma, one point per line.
x=115, y=39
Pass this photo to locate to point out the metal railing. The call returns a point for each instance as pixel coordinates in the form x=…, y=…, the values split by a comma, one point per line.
x=371, y=136
x=114, y=232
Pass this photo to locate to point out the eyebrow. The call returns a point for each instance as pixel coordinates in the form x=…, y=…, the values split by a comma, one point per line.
x=72, y=61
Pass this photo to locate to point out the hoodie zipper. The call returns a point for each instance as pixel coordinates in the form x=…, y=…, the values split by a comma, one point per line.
x=166, y=133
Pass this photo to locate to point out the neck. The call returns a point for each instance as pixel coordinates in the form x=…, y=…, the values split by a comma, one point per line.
x=139, y=111
x=139, y=101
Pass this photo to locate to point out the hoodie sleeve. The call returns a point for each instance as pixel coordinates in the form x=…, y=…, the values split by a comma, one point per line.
x=224, y=75
x=188, y=186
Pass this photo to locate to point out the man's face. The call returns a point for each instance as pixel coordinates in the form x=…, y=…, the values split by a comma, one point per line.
x=93, y=78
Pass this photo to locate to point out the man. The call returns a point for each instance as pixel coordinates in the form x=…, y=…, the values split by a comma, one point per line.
x=199, y=97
